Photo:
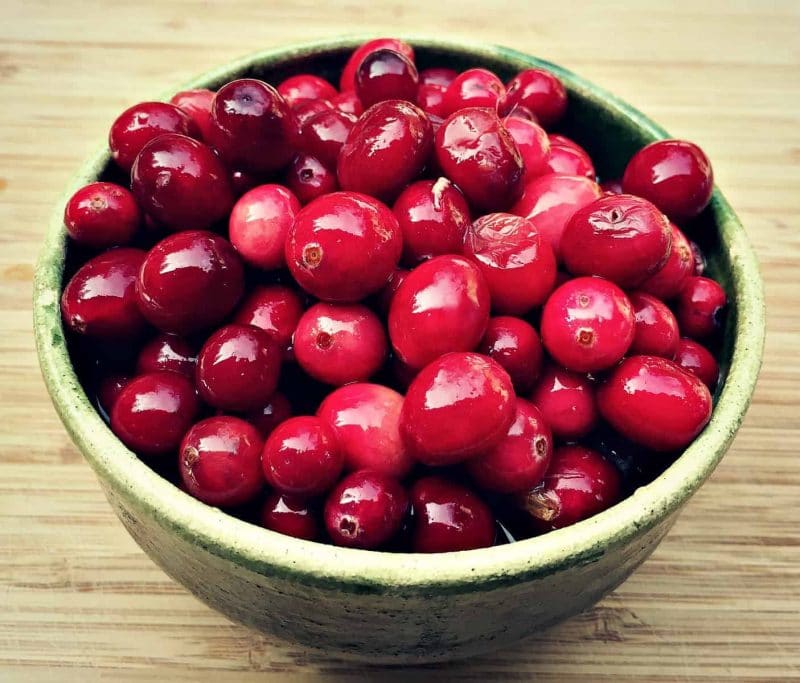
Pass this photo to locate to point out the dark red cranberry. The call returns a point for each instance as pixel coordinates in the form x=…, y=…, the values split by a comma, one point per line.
x=538, y=90
x=338, y=344
x=259, y=223
x=242, y=182
x=430, y=98
x=474, y=88
x=613, y=186
x=220, y=461
x=189, y=281
x=305, y=110
x=305, y=87
x=533, y=145
x=654, y=403
x=169, y=353
x=197, y=104
x=515, y=345
x=154, y=411
x=348, y=78
x=655, y=327
x=699, y=258
x=348, y=102
x=673, y=174
x=587, y=324
x=457, y=407
x=385, y=295
x=697, y=359
x=108, y=391
x=100, y=299
x=668, y=281
x=276, y=309
x=323, y=135
x=699, y=307
x=441, y=76
x=449, y=517
x=102, y=215
x=265, y=418
x=181, y=183
x=476, y=151
x=343, y=246
x=567, y=402
x=290, y=516
x=569, y=158
x=308, y=178
x=443, y=305
x=386, y=74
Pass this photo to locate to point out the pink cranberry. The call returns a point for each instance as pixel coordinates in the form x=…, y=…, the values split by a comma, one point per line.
x=699, y=307
x=567, y=402
x=100, y=299
x=308, y=178
x=533, y=145
x=343, y=246
x=290, y=516
x=473, y=88
x=653, y=402
x=275, y=411
x=189, y=281
x=197, y=105
x=457, y=407
x=441, y=76
x=323, y=135
x=386, y=74
x=220, y=461
x=569, y=158
x=169, y=353
x=305, y=110
x=655, y=327
x=430, y=98
x=668, y=281
x=697, y=359
x=385, y=296
x=348, y=78
x=305, y=87
x=348, y=102
x=613, y=186
x=587, y=324
x=108, y=391
x=276, y=309
x=102, y=215
x=538, y=90
x=515, y=345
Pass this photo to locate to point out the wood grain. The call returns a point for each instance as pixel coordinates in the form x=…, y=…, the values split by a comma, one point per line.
x=719, y=600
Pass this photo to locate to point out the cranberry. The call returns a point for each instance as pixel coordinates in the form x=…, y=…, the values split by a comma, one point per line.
x=522, y=112
x=587, y=324
x=622, y=238
x=386, y=294
x=449, y=517
x=538, y=90
x=290, y=516
x=154, y=411
x=474, y=88
x=476, y=151
x=673, y=174
x=348, y=102
x=169, y=353
x=366, y=418
x=305, y=110
x=699, y=307
x=386, y=74
x=189, y=281
x=252, y=127
x=102, y=215
x=567, y=402
x=402, y=373
x=697, y=359
x=532, y=143
x=220, y=461
x=181, y=183
x=699, y=258
x=430, y=98
x=323, y=135
x=653, y=402
x=242, y=182
x=517, y=262
x=305, y=87
x=441, y=76
x=308, y=178
x=302, y=457
x=140, y=124
x=613, y=186
x=457, y=407
x=275, y=411
x=343, y=246
x=385, y=150
x=655, y=327
x=569, y=158
x=108, y=391
x=100, y=299
x=443, y=305
x=276, y=309
x=668, y=281
x=515, y=345
x=197, y=105
x=259, y=224
x=348, y=78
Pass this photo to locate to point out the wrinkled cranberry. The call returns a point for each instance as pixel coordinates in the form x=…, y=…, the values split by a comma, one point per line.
x=323, y=135
x=167, y=352
x=515, y=345
x=668, y=281
x=276, y=309
x=386, y=74
x=567, y=402
x=348, y=78
x=473, y=88
x=102, y=215
x=265, y=418
x=569, y=158
x=533, y=145
x=197, y=104
x=655, y=327
x=308, y=178
x=700, y=306
x=697, y=359
x=289, y=515
x=305, y=87
x=540, y=91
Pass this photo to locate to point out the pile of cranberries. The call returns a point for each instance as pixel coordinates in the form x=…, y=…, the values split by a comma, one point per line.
x=399, y=315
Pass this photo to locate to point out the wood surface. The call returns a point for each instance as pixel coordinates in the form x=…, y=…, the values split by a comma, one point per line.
x=719, y=600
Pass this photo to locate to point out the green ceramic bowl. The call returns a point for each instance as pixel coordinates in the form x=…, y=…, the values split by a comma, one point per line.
x=399, y=608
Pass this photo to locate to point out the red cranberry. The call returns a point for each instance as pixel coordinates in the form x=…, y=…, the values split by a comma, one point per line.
x=457, y=407
x=348, y=78
x=532, y=143
x=339, y=344
x=290, y=516
x=517, y=262
x=242, y=182
x=305, y=110
x=566, y=401
x=569, y=158
x=473, y=88
x=275, y=411
x=323, y=135
x=386, y=149
x=699, y=307
x=102, y=215
x=154, y=411
x=619, y=237
x=611, y=186
x=668, y=281
x=259, y=224
x=538, y=90
x=402, y=373
x=587, y=324
x=515, y=345
x=169, y=353
x=476, y=151
x=654, y=403
x=189, y=281
x=305, y=87
x=140, y=124
x=343, y=246
x=308, y=178
x=673, y=174
x=699, y=258
x=386, y=74
x=430, y=98
x=100, y=299
x=348, y=102
x=697, y=359
x=386, y=294
x=449, y=517
x=197, y=105
x=181, y=183
x=522, y=112
x=441, y=76
x=366, y=418
x=108, y=391
x=220, y=461
x=276, y=309
x=655, y=327
x=443, y=305
x=302, y=457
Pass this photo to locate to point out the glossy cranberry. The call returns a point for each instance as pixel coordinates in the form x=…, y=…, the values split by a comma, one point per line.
x=385, y=295
x=567, y=402
x=220, y=461
x=140, y=124
x=441, y=76
x=449, y=517
x=699, y=258
x=343, y=246
x=197, y=104
x=517, y=262
x=522, y=112
x=339, y=344
x=275, y=411
x=252, y=127
x=655, y=327
x=550, y=200
x=302, y=457
x=613, y=186
x=366, y=418
x=673, y=174
x=181, y=183
x=587, y=324
x=430, y=98
x=699, y=307
x=474, y=88
x=348, y=102
x=475, y=150
x=108, y=391
x=386, y=149
x=189, y=281
x=242, y=182
x=102, y=215
x=619, y=237
x=169, y=353
x=668, y=281
x=100, y=299
x=259, y=223
x=457, y=407
x=569, y=158
x=154, y=411
x=697, y=359
x=323, y=135
x=348, y=78
x=386, y=74
x=290, y=516
x=442, y=306
x=533, y=145
x=538, y=90
x=515, y=345
x=308, y=178
x=276, y=309
x=305, y=110
x=305, y=87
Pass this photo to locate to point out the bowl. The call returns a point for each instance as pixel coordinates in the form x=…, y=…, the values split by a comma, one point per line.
x=399, y=607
